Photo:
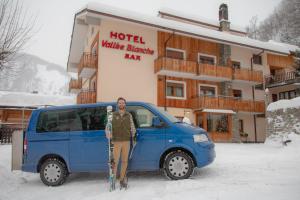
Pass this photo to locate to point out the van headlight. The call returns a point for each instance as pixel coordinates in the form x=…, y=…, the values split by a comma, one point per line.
x=200, y=138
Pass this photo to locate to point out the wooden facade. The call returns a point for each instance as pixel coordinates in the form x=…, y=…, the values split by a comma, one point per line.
x=195, y=101
x=75, y=85
x=86, y=84
x=214, y=135
x=14, y=115
x=281, y=79
x=85, y=97
x=88, y=65
x=191, y=46
x=228, y=103
x=278, y=61
x=167, y=66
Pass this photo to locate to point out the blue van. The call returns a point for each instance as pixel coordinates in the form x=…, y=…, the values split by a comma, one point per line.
x=68, y=139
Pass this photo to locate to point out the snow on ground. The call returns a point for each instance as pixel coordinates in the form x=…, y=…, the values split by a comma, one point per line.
x=240, y=171
x=284, y=104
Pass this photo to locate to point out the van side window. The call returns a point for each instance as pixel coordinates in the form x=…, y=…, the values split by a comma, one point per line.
x=92, y=118
x=78, y=119
x=142, y=117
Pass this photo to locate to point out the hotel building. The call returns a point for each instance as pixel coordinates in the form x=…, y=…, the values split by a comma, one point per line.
x=209, y=72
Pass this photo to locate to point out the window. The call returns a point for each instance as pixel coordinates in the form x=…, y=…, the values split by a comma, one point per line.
x=207, y=59
x=175, y=53
x=287, y=95
x=217, y=123
x=259, y=87
x=200, y=120
x=274, y=97
x=142, y=117
x=257, y=59
x=241, y=126
x=175, y=89
x=236, y=65
x=206, y=90
x=237, y=93
x=272, y=72
x=78, y=119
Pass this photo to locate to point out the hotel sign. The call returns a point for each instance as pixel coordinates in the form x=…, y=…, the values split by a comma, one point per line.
x=132, y=51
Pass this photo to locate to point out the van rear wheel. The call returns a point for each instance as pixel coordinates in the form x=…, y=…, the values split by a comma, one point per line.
x=53, y=172
x=178, y=165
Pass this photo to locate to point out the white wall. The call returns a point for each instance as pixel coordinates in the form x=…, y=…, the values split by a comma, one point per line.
x=117, y=76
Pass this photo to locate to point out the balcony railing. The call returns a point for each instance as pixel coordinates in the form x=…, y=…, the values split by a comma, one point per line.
x=75, y=85
x=228, y=103
x=215, y=71
x=282, y=78
x=194, y=70
x=248, y=75
x=85, y=97
x=175, y=65
x=87, y=65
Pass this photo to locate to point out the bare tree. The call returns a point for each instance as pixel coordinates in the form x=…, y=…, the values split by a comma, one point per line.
x=16, y=29
x=252, y=28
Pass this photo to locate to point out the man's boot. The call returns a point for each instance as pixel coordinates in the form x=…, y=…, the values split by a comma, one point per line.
x=123, y=183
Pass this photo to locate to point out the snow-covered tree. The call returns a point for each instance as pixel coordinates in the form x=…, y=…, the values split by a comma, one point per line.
x=283, y=25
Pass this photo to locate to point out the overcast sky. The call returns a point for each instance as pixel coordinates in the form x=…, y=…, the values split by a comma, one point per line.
x=55, y=18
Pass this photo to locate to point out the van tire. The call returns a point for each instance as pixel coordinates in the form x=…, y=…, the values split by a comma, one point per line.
x=58, y=170
x=178, y=165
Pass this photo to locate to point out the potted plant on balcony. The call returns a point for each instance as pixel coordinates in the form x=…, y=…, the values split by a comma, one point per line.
x=244, y=136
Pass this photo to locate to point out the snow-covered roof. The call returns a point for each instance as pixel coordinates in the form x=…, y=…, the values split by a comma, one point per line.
x=29, y=99
x=283, y=104
x=103, y=11
x=183, y=28
x=169, y=11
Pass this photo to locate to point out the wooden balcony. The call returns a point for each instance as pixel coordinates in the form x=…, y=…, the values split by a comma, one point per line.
x=175, y=67
x=194, y=70
x=247, y=75
x=282, y=79
x=88, y=65
x=214, y=72
x=85, y=97
x=227, y=103
x=75, y=85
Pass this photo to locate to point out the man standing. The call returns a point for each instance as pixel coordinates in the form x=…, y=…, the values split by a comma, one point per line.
x=123, y=130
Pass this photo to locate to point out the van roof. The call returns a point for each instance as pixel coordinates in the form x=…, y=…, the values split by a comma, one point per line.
x=91, y=105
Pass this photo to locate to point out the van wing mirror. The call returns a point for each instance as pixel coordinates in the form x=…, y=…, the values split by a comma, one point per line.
x=156, y=122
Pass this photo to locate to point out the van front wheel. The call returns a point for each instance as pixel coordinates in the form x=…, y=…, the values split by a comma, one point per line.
x=178, y=165
x=53, y=172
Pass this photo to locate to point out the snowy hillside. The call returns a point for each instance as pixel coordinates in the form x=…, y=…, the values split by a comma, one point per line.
x=31, y=73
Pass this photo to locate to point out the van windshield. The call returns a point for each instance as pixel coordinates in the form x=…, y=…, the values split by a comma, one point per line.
x=165, y=114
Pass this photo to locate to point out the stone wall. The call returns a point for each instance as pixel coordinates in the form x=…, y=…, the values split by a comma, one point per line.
x=283, y=121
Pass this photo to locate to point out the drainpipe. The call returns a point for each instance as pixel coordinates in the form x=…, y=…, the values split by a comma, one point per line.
x=253, y=97
x=165, y=79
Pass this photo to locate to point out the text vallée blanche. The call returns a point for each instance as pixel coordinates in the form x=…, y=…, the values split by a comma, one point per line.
x=129, y=47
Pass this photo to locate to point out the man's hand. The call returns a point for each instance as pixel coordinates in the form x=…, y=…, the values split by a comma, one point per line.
x=108, y=135
x=134, y=139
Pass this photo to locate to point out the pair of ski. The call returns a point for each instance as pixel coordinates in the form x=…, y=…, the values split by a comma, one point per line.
x=111, y=162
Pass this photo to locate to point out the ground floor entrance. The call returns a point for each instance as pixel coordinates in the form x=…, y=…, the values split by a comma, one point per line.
x=218, y=125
